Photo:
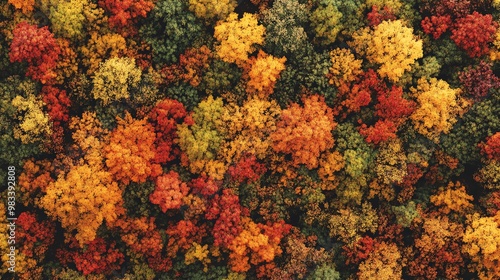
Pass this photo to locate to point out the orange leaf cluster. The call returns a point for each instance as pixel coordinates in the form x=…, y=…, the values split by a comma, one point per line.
x=169, y=191
x=305, y=131
x=130, y=153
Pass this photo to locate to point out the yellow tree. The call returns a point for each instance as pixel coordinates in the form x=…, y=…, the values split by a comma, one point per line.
x=264, y=72
x=438, y=107
x=202, y=140
x=481, y=242
x=453, y=198
x=101, y=47
x=115, y=78
x=247, y=128
x=345, y=67
x=391, y=45
x=34, y=123
x=82, y=200
x=237, y=37
x=384, y=263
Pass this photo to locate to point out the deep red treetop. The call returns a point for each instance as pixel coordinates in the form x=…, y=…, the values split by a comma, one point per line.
x=164, y=117
x=248, y=169
x=436, y=25
x=474, y=32
x=38, y=47
x=391, y=104
x=57, y=102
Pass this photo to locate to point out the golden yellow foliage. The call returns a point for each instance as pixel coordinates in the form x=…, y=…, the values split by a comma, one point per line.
x=329, y=163
x=198, y=253
x=264, y=73
x=438, y=106
x=345, y=67
x=452, y=198
x=237, y=37
x=481, y=242
x=384, y=263
x=101, y=47
x=248, y=127
x=390, y=44
x=82, y=200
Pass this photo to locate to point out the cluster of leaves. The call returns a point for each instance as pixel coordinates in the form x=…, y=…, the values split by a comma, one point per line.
x=285, y=139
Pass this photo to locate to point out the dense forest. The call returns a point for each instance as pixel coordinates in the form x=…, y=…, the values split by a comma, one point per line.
x=250, y=139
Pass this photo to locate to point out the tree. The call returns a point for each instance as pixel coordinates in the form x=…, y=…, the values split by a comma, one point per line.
x=179, y=29
x=68, y=19
x=26, y=6
x=212, y=10
x=474, y=32
x=436, y=25
x=326, y=22
x=165, y=117
x=248, y=128
x=126, y=13
x=305, y=132
x=100, y=48
x=201, y=141
x=453, y=198
x=481, y=242
x=394, y=58
x=237, y=37
x=114, y=79
x=284, y=23
x=82, y=199
x=345, y=67
x=438, y=107
x=383, y=263
x=169, y=191
x=36, y=46
x=478, y=81
x=109, y=260
x=130, y=153
x=264, y=71
x=34, y=123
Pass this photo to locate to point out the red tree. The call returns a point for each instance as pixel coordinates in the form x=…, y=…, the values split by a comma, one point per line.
x=57, y=102
x=164, y=117
x=376, y=16
x=492, y=147
x=124, y=13
x=473, y=33
x=227, y=212
x=248, y=169
x=436, y=25
x=38, y=47
x=98, y=256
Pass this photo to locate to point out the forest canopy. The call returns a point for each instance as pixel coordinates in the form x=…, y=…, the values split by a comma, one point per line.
x=255, y=139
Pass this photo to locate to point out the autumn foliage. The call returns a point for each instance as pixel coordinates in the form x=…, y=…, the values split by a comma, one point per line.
x=261, y=139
